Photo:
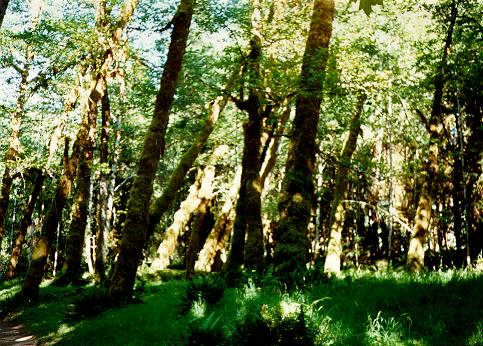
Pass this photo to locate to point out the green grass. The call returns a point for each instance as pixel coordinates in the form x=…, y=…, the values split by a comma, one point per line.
x=359, y=309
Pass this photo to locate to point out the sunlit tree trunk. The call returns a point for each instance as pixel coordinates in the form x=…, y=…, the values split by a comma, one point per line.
x=334, y=250
x=161, y=204
x=134, y=231
x=297, y=195
x=205, y=195
x=24, y=224
x=181, y=218
x=219, y=236
x=415, y=256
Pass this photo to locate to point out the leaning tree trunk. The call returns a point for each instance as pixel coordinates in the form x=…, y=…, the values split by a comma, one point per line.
x=205, y=195
x=134, y=231
x=415, y=257
x=30, y=288
x=3, y=9
x=334, y=250
x=24, y=224
x=297, y=195
x=181, y=218
x=218, y=238
x=161, y=204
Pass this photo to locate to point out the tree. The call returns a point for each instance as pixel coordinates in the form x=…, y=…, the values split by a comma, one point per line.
x=297, y=195
x=42, y=247
x=134, y=232
x=3, y=9
x=415, y=256
x=334, y=250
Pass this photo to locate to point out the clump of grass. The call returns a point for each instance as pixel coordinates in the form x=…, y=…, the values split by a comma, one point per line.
x=88, y=304
x=203, y=289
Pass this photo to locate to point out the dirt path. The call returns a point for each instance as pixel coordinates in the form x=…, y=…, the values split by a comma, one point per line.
x=15, y=334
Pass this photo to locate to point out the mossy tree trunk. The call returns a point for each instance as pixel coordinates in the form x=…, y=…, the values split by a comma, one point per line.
x=102, y=224
x=205, y=195
x=415, y=256
x=297, y=195
x=219, y=236
x=336, y=219
x=161, y=204
x=24, y=224
x=248, y=221
x=181, y=218
x=42, y=246
x=134, y=232
x=74, y=243
x=12, y=155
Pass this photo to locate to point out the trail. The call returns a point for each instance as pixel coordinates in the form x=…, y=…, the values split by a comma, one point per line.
x=15, y=334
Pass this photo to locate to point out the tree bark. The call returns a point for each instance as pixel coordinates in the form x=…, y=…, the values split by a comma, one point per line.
x=205, y=195
x=181, y=218
x=415, y=256
x=75, y=237
x=334, y=250
x=3, y=9
x=161, y=204
x=248, y=221
x=30, y=288
x=102, y=229
x=297, y=195
x=134, y=232
x=220, y=234
x=12, y=155
x=24, y=224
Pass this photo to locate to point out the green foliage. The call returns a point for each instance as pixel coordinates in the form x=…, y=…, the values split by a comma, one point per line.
x=378, y=308
x=203, y=289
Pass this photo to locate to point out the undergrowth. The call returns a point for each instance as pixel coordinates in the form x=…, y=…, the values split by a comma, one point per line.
x=375, y=308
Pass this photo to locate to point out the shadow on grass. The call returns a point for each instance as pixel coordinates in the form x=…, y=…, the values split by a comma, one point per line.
x=375, y=309
x=432, y=309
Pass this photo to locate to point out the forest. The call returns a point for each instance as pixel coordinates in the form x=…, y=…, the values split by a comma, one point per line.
x=234, y=172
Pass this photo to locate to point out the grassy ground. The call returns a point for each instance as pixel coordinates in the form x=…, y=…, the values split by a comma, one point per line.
x=360, y=309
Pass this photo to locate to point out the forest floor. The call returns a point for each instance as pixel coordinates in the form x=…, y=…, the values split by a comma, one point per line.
x=15, y=334
x=360, y=308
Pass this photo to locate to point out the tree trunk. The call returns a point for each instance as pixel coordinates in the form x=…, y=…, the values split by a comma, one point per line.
x=297, y=195
x=220, y=234
x=205, y=195
x=30, y=288
x=13, y=150
x=248, y=221
x=415, y=257
x=102, y=229
x=3, y=9
x=135, y=228
x=75, y=237
x=161, y=204
x=334, y=250
x=24, y=224
x=181, y=218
